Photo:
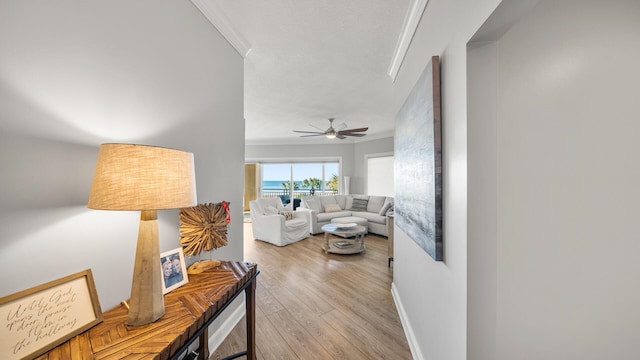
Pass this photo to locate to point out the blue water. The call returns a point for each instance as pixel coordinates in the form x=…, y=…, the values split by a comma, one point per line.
x=277, y=184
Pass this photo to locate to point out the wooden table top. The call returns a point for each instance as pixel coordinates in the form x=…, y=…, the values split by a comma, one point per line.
x=187, y=309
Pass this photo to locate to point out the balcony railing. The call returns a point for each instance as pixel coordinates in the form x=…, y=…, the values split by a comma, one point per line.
x=297, y=194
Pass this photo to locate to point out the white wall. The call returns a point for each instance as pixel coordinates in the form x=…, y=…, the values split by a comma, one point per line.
x=432, y=296
x=79, y=73
x=482, y=199
x=556, y=247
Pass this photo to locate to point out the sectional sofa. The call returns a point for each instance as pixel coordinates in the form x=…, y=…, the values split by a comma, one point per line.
x=323, y=209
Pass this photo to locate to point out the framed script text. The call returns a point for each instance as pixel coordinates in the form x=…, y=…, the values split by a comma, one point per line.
x=36, y=320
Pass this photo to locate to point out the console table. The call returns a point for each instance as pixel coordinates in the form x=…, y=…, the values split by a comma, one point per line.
x=189, y=310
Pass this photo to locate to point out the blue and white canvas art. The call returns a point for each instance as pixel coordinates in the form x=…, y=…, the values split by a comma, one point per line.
x=418, y=163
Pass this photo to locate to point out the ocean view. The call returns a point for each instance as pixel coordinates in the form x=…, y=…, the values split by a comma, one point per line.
x=277, y=184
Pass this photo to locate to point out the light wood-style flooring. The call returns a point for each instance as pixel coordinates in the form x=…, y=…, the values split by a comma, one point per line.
x=315, y=306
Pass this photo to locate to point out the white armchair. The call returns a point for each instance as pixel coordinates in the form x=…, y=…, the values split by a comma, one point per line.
x=269, y=223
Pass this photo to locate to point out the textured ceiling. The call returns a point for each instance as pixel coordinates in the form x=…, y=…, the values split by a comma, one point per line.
x=311, y=60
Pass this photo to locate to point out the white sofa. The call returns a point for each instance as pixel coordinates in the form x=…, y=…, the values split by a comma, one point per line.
x=375, y=213
x=269, y=224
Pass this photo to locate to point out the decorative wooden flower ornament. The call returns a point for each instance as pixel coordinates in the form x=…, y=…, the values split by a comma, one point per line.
x=203, y=228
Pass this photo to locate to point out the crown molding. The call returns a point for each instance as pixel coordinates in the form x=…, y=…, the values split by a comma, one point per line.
x=411, y=21
x=219, y=20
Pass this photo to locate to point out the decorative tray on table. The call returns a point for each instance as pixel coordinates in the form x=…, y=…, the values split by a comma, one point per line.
x=346, y=226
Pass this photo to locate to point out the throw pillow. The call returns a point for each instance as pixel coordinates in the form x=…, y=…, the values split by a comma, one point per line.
x=270, y=210
x=332, y=208
x=314, y=205
x=385, y=208
x=288, y=215
x=359, y=204
x=348, y=202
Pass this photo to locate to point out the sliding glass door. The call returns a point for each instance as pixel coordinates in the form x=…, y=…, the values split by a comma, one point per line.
x=276, y=180
x=332, y=178
x=294, y=180
x=309, y=176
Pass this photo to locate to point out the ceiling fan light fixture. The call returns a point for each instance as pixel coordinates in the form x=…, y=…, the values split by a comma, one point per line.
x=332, y=133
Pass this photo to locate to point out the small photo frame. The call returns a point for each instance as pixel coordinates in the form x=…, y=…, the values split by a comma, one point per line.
x=174, y=270
x=36, y=320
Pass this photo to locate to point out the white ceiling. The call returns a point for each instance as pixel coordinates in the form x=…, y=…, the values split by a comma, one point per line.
x=305, y=61
x=311, y=60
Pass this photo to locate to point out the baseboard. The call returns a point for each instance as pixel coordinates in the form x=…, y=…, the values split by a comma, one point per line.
x=408, y=332
x=221, y=332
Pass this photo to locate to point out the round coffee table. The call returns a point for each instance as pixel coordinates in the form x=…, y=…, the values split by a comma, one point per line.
x=352, y=241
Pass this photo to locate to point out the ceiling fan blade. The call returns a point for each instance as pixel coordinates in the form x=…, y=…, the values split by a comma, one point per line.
x=333, y=131
x=355, y=130
x=340, y=127
x=350, y=134
x=309, y=132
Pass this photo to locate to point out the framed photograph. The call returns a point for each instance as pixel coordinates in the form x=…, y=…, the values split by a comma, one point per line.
x=174, y=270
x=36, y=320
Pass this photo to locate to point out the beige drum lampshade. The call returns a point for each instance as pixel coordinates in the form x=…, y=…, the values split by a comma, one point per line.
x=141, y=177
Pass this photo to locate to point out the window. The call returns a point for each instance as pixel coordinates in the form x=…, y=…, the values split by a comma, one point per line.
x=288, y=180
x=380, y=176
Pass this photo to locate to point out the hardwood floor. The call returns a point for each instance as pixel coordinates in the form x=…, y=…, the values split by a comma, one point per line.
x=315, y=306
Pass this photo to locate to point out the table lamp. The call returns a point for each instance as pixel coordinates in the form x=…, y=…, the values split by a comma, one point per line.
x=144, y=178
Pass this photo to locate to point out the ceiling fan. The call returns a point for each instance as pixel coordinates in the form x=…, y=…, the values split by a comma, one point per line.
x=337, y=132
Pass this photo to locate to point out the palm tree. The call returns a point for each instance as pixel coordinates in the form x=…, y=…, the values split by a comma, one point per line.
x=313, y=184
x=287, y=186
x=333, y=184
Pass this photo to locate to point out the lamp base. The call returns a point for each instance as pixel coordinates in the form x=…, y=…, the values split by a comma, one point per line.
x=202, y=265
x=147, y=301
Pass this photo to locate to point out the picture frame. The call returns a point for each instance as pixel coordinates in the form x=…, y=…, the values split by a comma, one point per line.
x=36, y=320
x=418, y=164
x=173, y=269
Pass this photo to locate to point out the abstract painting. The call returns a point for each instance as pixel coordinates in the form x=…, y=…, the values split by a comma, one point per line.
x=418, y=163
